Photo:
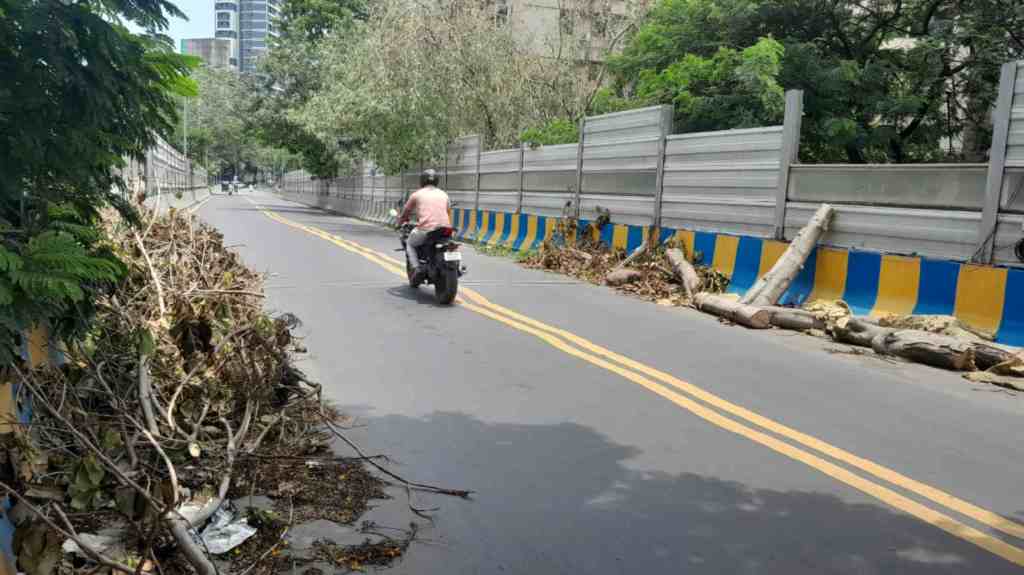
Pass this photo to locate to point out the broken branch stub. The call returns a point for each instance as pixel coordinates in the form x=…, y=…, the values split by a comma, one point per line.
x=768, y=289
x=684, y=271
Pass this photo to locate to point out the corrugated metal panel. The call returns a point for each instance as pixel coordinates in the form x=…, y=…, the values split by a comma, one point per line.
x=499, y=161
x=499, y=201
x=1013, y=191
x=551, y=158
x=545, y=204
x=462, y=199
x=949, y=186
x=722, y=181
x=631, y=124
x=636, y=210
x=1015, y=142
x=947, y=234
x=623, y=168
x=717, y=214
x=1009, y=231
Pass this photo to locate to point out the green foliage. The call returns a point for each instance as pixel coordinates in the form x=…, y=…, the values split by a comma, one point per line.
x=80, y=92
x=557, y=131
x=882, y=81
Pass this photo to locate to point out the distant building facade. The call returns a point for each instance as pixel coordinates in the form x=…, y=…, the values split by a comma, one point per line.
x=250, y=24
x=214, y=52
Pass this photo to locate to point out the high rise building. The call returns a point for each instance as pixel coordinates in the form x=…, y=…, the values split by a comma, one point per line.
x=214, y=52
x=250, y=23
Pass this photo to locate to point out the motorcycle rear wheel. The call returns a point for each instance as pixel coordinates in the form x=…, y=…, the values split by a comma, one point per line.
x=447, y=286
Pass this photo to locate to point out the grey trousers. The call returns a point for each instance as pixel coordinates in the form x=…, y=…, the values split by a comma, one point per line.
x=415, y=239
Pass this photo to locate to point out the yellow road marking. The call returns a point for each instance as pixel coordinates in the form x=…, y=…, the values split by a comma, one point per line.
x=979, y=514
x=552, y=335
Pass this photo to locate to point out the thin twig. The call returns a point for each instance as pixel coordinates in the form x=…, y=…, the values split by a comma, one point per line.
x=92, y=553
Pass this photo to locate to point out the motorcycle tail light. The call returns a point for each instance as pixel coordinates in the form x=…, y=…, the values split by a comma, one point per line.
x=447, y=232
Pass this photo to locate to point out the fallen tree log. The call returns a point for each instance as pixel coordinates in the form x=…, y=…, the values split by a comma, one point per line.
x=931, y=349
x=794, y=319
x=768, y=289
x=856, y=331
x=988, y=355
x=683, y=271
x=622, y=276
x=746, y=315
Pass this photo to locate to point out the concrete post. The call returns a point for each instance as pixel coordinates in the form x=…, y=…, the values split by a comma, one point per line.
x=790, y=155
x=476, y=185
x=996, y=165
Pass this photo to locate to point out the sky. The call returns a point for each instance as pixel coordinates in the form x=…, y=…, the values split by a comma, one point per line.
x=199, y=24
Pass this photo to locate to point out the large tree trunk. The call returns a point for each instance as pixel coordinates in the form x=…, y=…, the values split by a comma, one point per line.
x=750, y=316
x=856, y=331
x=684, y=271
x=988, y=355
x=931, y=349
x=769, y=289
x=794, y=319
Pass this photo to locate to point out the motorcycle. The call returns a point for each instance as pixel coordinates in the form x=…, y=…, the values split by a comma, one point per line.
x=440, y=262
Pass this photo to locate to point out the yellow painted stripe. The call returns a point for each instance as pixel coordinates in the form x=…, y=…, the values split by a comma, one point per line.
x=513, y=230
x=499, y=228
x=725, y=253
x=472, y=224
x=771, y=251
x=549, y=228
x=898, y=281
x=829, y=274
x=620, y=237
x=980, y=294
x=686, y=238
x=924, y=513
x=531, y=232
x=484, y=226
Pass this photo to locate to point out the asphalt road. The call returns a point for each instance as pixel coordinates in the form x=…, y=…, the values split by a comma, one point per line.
x=585, y=462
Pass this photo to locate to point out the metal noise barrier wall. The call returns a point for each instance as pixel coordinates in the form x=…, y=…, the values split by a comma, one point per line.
x=899, y=241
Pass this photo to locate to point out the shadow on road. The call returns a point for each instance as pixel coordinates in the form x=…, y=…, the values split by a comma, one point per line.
x=421, y=295
x=558, y=499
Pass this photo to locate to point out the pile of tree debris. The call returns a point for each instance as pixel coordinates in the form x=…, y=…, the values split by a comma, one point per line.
x=663, y=274
x=184, y=395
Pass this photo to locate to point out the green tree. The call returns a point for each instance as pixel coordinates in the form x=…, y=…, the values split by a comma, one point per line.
x=884, y=80
x=80, y=93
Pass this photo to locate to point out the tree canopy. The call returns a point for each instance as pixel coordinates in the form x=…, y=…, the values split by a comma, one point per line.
x=80, y=92
x=884, y=80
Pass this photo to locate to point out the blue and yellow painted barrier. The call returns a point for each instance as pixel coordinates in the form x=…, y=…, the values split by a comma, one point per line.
x=985, y=297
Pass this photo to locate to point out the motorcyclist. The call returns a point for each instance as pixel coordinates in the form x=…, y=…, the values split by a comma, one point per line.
x=430, y=206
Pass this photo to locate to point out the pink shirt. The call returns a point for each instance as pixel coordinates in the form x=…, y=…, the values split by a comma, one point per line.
x=430, y=205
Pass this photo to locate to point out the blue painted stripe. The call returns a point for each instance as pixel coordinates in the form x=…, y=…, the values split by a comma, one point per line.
x=748, y=262
x=862, y=272
x=506, y=229
x=704, y=243
x=803, y=284
x=490, y=228
x=542, y=222
x=937, y=292
x=608, y=234
x=666, y=234
x=634, y=238
x=524, y=222
x=1011, y=329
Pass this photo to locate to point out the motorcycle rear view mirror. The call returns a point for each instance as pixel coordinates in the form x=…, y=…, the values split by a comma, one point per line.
x=393, y=213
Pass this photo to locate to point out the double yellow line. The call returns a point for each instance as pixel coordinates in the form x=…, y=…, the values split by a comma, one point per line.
x=762, y=430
